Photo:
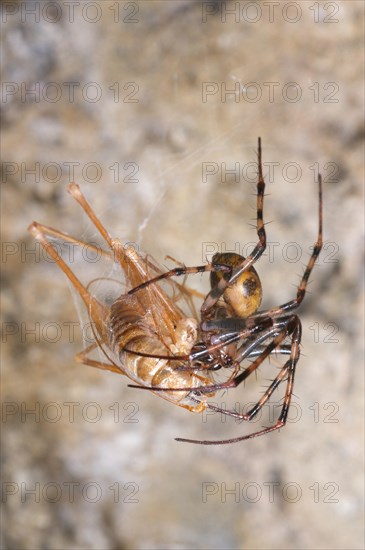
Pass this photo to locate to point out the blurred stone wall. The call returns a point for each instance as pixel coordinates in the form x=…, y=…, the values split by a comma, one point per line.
x=145, y=104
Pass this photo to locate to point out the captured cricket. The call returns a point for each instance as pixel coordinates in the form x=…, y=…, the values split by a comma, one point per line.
x=146, y=334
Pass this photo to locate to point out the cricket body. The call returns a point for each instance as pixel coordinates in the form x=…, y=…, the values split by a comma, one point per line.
x=151, y=336
x=145, y=335
x=141, y=330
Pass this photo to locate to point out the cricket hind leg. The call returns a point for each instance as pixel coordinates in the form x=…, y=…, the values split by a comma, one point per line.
x=64, y=237
x=115, y=246
x=97, y=310
x=83, y=358
x=79, y=197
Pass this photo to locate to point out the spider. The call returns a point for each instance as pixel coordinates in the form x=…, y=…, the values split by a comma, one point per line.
x=144, y=333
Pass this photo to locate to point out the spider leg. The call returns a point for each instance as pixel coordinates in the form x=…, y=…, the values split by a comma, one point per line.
x=256, y=348
x=214, y=295
x=293, y=328
x=178, y=271
x=293, y=304
x=285, y=349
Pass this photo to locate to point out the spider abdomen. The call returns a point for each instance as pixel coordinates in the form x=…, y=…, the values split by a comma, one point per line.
x=244, y=295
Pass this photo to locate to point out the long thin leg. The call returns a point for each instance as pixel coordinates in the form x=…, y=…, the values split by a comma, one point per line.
x=216, y=292
x=114, y=244
x=285, y=349
x=97, y=311
x=64, y=237
x=293, y=304
x=178, y=271
x=83, y=358
x=287, y=370
x=76, y=193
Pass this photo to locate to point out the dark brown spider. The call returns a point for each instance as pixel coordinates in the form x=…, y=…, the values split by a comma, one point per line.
x=145, y=335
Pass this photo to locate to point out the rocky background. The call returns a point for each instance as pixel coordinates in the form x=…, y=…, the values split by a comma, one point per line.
x=135, y=101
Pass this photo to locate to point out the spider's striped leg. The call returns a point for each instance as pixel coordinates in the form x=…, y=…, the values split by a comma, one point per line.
x=293, y=304
x=175, y=272
x=288, y=370
x=214, y=295
x=178, y=271
x=285, y=349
